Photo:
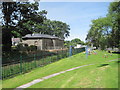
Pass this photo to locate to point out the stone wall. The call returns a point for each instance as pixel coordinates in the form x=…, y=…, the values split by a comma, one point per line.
x=36, y=42
x=45, y=44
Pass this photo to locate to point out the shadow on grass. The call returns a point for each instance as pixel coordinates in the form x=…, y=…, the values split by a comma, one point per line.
x=103, y=65
x=116, y=52
x=118, y=61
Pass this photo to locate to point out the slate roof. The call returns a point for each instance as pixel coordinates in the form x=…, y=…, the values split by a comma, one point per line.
x=39, y=36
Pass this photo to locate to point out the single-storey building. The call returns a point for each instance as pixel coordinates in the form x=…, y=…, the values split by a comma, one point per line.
x=43, y=41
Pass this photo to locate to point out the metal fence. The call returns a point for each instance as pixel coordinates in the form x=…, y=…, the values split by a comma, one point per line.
x=23, y=64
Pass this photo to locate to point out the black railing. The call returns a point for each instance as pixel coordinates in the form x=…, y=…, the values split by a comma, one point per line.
x=25, y=63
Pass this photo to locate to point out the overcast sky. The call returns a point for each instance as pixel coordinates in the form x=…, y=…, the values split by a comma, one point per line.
x=76, y=14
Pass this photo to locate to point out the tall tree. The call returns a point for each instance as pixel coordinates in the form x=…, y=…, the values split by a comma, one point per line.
x=114, y=13
x=99, y=32
x=105, y=32
x=19, y=19
x=55, y=28
x=8, y=8
x=60, y=29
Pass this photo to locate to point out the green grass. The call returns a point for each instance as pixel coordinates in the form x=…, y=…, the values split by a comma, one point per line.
x=15, y=69
x=67, y=63
x=85, y=77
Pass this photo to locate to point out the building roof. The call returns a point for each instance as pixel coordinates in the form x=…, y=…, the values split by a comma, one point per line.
x=39, y=36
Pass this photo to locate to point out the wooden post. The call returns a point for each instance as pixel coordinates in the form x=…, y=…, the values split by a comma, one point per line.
x=70, y=51
x=21, y=63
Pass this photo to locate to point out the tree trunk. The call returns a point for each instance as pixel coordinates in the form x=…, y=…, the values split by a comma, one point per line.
x=6, y=40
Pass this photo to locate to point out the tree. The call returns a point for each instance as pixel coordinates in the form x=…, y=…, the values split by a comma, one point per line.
x=114, y=13
x=76, y=41
x=67, y=43
x=18, y=20
x=60, y=29
x=8, y=8
x=21, y=18
x=105, y=32
x=28, y=18
x=55, y=28
x=99, y=32
x=73, y=42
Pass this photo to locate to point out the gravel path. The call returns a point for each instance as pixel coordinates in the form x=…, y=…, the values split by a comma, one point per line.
x=52, y=75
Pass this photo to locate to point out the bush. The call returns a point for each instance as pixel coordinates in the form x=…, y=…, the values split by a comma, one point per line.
x=14, y=48
x=33, y=48
x=27, y=48
x=20, y=47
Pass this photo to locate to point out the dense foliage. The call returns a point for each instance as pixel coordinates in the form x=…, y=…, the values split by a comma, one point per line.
x=21, y=18
x=53, y=27
x=73, y=42
x=105, y=31
x=15, y=17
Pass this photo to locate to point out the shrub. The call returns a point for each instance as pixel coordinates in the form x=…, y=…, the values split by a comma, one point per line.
x=20, y=47
x=33, y=48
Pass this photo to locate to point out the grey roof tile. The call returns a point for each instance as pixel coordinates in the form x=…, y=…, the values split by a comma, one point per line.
x=40, y=36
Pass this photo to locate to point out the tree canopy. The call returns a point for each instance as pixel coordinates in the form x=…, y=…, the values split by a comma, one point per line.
x=21, y=18
x=73, y=42
x=104, y=31
x=53, y=27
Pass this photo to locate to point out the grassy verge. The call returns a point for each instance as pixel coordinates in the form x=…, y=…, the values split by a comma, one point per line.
x=66, y=63
x=95, y=76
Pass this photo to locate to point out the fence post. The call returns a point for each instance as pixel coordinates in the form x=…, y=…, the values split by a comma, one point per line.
x=35, y=60
x=66, y=52
x=86, y=50
x=70, y=51
x=21, y=63
x=57, y=56
x=62, y=53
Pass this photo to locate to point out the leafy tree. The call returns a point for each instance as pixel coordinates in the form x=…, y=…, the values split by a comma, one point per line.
x=55, y=28
x=18, y=20
x=100, y=29
x=73, y=42
x=29, y=17
x=67, y=43
x=76, y=41
x=60, y=29
x=114, y=13
x=105, y=32
x=21, y=18
x=8, y=8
